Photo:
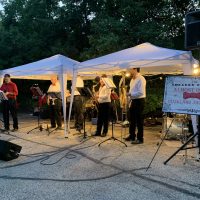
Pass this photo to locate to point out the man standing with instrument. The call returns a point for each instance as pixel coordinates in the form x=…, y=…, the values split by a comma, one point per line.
x=55, y=102
x=10, y=90
x=137, y=95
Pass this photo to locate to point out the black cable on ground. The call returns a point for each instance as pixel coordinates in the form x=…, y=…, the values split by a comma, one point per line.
x=62, y=180
x=121, y=171
x=46, y=157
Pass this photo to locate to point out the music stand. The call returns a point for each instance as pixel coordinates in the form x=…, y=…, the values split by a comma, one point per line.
x=113, y=137
x=36, y=91
x=3, y=97
x=86, y=92
x=54, y=96
x=109, y=84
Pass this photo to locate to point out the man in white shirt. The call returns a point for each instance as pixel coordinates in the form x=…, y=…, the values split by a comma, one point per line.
x=104, y=100
x=54, y=93
x=137, y=95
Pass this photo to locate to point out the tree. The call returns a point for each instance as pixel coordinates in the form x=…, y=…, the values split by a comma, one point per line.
x=83, y=29
x=125, y=23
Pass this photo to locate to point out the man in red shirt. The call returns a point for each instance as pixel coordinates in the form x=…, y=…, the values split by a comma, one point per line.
x=11, y=92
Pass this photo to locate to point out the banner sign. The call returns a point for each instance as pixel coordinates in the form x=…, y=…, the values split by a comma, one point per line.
x=182, y=95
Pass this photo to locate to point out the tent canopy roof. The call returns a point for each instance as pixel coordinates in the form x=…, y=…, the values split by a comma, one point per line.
x=150, y=58
x=42, y=69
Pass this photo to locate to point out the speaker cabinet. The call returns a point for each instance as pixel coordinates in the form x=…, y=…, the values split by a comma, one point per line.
x=192, y=30
x=9, y=151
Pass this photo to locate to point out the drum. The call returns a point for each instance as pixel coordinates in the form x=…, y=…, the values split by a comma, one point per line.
x=177, y=129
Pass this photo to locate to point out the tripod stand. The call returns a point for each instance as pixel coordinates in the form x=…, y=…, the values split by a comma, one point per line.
x=85, y=136
x=197, y=134
x=39, y=126
x=112, y=137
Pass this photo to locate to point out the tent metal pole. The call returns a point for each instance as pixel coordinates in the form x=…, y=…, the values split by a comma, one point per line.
x=72, y=95
x=63, y=82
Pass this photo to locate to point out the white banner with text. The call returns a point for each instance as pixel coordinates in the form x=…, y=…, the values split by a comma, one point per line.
x=182, y=95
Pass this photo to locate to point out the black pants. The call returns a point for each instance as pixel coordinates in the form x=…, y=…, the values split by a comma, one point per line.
x=55, y=113
x=103, y=117
x=10, y=106
x=136, y=119
x=78, y=111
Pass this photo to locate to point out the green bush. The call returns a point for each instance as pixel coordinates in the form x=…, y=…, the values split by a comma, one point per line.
x=154, y=99
x=153, y=104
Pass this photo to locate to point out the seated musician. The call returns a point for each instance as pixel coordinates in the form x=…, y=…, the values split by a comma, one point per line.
x=55, y=102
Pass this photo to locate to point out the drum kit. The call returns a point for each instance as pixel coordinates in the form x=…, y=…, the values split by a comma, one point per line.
x=178, y=127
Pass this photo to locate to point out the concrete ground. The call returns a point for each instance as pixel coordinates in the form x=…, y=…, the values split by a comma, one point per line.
x=53, y=167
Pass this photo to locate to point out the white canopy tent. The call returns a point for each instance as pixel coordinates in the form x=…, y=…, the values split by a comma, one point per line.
x=151, y=59
x=42, y=70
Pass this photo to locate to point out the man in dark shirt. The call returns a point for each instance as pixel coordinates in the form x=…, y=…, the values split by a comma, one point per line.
x=10, y=90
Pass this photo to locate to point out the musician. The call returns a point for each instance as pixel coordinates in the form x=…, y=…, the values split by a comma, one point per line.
x=55, y=102
x=10, y=105
x=97, y=84
x=137, y=95
x=78, y=110
x=103, y=98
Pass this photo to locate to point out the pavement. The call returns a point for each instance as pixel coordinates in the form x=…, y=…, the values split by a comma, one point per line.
x=54, y=167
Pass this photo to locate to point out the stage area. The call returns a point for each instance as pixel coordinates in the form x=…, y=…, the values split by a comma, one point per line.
x=53, y=167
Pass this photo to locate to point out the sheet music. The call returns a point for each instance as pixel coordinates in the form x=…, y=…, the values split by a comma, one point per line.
x=39, y=91
x=36, y=91
x=3, y=96
x=109, y=83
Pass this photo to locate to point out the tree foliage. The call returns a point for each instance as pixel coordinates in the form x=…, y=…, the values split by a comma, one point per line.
x=82, y=29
